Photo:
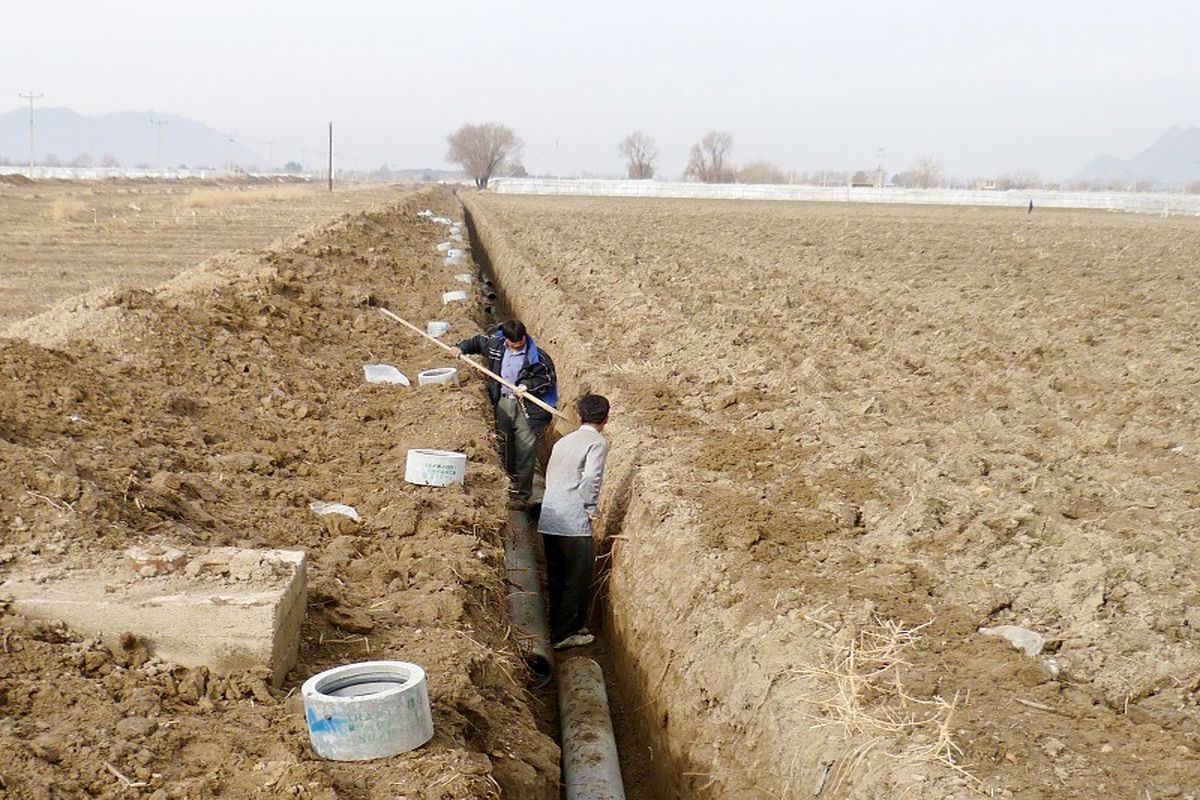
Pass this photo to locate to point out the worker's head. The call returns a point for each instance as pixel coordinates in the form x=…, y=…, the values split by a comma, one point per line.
x=593, y=410
x=514, y=334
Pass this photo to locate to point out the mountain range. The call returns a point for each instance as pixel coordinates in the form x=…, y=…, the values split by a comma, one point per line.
x=1174, y=160
x=127, y=136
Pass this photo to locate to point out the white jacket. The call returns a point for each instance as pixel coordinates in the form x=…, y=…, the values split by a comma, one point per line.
x=573, y=479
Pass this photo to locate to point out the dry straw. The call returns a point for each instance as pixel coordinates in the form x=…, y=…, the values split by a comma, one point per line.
x=860, y=688
x=221, y=198
x=65, y=208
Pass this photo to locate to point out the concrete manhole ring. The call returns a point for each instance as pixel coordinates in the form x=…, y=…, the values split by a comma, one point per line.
x=373, y=709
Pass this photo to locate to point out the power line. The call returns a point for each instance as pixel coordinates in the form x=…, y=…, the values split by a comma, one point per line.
x=31, y=97
x=158, y=123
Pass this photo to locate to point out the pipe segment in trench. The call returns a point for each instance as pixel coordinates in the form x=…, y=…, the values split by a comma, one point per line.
x=525, y=599
x=591, y=769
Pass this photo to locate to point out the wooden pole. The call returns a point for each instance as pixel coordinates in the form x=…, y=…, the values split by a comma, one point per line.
x=331, y=156
x=536, y=401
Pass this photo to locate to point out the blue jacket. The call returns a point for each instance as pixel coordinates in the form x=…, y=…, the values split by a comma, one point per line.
x=537, y=373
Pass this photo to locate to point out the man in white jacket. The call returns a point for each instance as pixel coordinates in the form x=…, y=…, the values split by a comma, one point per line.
x=573, y=479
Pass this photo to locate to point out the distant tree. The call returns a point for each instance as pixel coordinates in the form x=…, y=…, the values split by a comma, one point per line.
x=293, y=166
x=861, y=178
x=827, y=177
x=924, y=174
x=1018, y=180
x=1192, y=188
x=517, y=170
x=640, y=152
x=928, y=172
x=482, y=150
x=51, y=160
x=761, y=172
x=83, y=160
x=708, y=160
x=109, y=160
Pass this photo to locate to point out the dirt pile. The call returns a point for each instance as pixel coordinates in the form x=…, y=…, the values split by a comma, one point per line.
x=868, y=432
x=212, y=412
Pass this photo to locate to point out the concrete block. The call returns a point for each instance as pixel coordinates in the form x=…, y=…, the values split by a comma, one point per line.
x=227, y=609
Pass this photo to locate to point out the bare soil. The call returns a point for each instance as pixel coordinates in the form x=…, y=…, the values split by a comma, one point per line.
x=211, y=411
x=847, y=437
x=60, y=239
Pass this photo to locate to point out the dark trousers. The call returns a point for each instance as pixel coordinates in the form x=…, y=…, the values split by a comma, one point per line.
x=569, y=561
x=518, y=442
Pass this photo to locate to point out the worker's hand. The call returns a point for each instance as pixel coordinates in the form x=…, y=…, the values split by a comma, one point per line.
x=454, y=351
x=522, y=390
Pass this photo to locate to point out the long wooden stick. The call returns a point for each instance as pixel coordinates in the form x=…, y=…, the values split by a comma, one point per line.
x=536, y=401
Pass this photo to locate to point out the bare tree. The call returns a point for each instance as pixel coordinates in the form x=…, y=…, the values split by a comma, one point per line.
x=762, y=172
x=640, y=153
x=1018, y=180
x=708, y=159
x=926, y=173
x=109, y=160
x=482, y=150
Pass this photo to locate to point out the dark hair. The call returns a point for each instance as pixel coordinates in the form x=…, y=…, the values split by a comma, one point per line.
x=513, y=330
x=593, y=408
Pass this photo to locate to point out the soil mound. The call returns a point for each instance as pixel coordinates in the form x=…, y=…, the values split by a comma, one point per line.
x=212, y=413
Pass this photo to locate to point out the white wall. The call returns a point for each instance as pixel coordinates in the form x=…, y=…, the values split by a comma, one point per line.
x=1155, y=203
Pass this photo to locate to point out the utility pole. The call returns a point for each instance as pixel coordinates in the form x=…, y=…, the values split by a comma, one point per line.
x=270, y=156
x=158, y=123
x=331, y=156
x=31, y=97
x=229, y=155
x=880, y=157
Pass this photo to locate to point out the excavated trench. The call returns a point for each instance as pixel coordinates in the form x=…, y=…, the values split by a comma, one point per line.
x=646, y=771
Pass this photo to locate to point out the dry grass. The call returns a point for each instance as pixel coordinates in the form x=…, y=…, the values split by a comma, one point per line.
x=65, y=208
x=860, y=688
x=222, y=198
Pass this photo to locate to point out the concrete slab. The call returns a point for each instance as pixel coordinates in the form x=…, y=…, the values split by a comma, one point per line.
x=227, y=608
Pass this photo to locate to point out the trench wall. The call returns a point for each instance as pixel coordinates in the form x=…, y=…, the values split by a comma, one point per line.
x=700, y=664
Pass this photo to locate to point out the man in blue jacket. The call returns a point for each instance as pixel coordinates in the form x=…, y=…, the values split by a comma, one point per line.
x=511, y=353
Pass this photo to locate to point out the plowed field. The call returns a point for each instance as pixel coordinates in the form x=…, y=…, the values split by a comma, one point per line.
x=60, y=239
x=845, y=438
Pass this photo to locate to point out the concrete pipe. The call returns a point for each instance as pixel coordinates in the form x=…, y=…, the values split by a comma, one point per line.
x=373, y=709
x=436, y=327
x=456, y=295
x=591, y=769
x=435, y=467
x=525, y=604
x=438, y=375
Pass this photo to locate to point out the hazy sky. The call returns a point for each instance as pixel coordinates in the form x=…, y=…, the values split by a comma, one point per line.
x=984, y=87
